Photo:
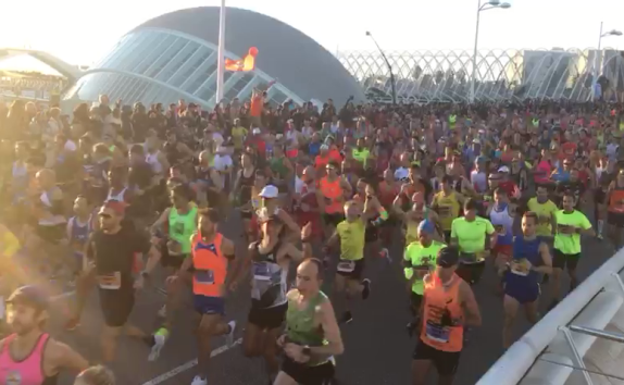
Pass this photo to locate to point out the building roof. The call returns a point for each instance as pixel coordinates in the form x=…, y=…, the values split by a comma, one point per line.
x=285, y=53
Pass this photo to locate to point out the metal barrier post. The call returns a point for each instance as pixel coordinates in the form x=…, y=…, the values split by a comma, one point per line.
x=577, y=357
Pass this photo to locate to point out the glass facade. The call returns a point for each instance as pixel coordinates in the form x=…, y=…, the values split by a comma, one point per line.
x=155, y=65
x=499, y=74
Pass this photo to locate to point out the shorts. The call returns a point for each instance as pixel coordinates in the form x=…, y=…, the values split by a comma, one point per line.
x=267, y=318
x=615, y=219
x=333, y=219
x=446, y=363
x=116, y=306
x=309, y=375
x=523, y=293
x=167, y=260
x=356, y=274
x=561, y=260
x=471, y=273
x=208, y=305
x=52, y=233
x=503, y=249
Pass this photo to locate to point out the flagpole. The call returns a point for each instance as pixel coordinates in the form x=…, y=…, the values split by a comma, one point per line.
x=221, y=54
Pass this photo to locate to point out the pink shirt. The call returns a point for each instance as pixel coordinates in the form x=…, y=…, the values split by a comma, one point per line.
x=29, y=371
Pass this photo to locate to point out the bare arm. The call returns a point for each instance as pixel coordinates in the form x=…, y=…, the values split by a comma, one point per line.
x=160, y=221
x=331, y=330
x=61, y=357
x=469, y=304
x=546, y=268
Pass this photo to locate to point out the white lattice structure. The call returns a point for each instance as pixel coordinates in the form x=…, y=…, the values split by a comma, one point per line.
x=500, y=75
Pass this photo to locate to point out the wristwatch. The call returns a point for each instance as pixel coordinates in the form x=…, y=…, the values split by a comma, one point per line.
x=306, y=351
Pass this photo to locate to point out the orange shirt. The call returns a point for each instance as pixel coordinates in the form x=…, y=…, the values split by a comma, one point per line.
x=256, y=105
x=210, y=267
x=439, y=300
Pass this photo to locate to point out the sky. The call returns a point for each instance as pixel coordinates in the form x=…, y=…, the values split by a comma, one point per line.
x=81, y=32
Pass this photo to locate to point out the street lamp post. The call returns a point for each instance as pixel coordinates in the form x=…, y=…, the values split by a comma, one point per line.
x=598, y=58
x=481, y=7
x=383, y=55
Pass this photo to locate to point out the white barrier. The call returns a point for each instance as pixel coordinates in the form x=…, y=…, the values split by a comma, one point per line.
x=511, y=368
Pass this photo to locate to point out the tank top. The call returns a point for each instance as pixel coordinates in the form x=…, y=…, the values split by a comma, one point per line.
x=333, y=194
x=28, y=371
x=79, y=234
x=51, y=206
x=116, y=197
x=278, y=168
x=524, y=250
x=448, y=209
x=182, y=227
x=616, y=200
x=152, y=160
x=210, y=267
x=479, y=181
x=301, y=328
x=442, y=310
x=20, y=178
x=246, y=183
x=269, y=285
x=503, y=223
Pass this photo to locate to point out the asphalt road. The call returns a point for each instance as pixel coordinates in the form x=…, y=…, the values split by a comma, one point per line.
x=377, y=348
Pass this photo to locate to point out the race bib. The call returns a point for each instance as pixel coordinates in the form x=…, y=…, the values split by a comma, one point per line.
x=345, y=266
x=437, y=333
x=110, y=281
x=519, y=268
x=444, y=211
x=261, y=271
x=204, y=276
x=500, y=229
x=564, y=229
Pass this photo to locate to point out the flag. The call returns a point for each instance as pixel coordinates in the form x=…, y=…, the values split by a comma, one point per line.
x=246, y=64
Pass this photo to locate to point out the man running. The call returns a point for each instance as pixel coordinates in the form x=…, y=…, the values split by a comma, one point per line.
x=531, y=257
x=30, y=356
x=312, y=336
x=448, y=306
x=211, y=254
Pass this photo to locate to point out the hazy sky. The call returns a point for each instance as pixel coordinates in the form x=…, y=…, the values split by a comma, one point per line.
x=82, y=31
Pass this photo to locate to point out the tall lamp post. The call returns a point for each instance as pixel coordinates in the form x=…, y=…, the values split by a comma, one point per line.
x=221, y=55
x=598, y=59
x=383, y=55
x=492, y=4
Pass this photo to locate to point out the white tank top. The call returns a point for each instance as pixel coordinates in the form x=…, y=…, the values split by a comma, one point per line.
x=152, y=160
x=502, y=218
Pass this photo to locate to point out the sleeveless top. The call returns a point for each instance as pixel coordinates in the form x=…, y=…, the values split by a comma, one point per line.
x=152, y=160
x=442, y=316
x=52, y=207
x=210, y=267
x=269, y=285
x=79, y=234
x=20, y=179
x=332, y=191
x=503, y=223
x=616, y=200
x=300, y=326
x=524, y=250
x=28, y=371
x=182, y=227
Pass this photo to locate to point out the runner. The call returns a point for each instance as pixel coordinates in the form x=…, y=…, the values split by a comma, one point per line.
x=334, y=189
x=615, y=214
x=30, y=356
x=447, y=203
x=570, y=224
x=210, y=258
x=531, y=257
x=269, y=259
x=312, y=336
x=502, y=214
x=448, y=306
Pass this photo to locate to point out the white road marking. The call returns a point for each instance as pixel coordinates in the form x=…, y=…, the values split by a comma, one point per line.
x=189, y=365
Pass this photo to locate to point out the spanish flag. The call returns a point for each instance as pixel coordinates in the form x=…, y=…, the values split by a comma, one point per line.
x=246, y=64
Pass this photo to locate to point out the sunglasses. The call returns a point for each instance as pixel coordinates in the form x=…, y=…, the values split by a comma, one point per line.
x=105, y=215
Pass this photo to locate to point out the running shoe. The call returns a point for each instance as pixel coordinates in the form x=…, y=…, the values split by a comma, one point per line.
x=199, y=381
x=367, y=288
x=229, y=338
x=160, y=337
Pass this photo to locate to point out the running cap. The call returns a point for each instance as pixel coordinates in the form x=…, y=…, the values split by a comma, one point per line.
x=448, y=257
x=30, y=295
x=504, y=169
x=256, y=131
x=426, y=226
x=118, y=207
x=269, y=191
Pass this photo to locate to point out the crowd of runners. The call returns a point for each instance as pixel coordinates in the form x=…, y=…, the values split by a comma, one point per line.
x=104, y=199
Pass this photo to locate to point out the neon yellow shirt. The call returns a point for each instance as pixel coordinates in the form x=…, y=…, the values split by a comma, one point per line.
x=238, y=134
x=544, y=212
x=421, y=257
x=351, y=239
x=9, y=243
x=471, y=235
x=570, y=243
x=361, y=155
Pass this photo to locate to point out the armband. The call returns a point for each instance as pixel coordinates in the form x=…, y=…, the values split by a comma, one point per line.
x=407, y=264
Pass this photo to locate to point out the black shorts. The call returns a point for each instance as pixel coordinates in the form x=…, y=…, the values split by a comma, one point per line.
x=446, y=363
x=561, y=260
x=357, y=272
x=267, y=318
x=615, y=219
x=471, y=272
x=116, y=306
x=173, y=261
x=52, y=233
x=309, y=375
x=333, y=219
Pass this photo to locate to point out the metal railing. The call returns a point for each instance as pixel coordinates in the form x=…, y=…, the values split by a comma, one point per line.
x=529, y=350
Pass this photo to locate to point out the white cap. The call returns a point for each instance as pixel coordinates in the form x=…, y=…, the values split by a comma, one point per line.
x=256, y=131
x=503, y=169
x=269, y=191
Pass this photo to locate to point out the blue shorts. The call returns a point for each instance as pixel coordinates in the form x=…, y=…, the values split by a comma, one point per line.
x=523, y=293
x=208, y=305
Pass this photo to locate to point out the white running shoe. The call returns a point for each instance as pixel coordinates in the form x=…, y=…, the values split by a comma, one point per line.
x=198, y=381
x=160, y=337
x=229, y=338
x=163, y=311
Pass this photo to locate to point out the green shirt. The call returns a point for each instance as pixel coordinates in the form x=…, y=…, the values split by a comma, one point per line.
x=420, y=257
x=181, y=227
x=471, y=235
x=361, y=155
x=570, y=243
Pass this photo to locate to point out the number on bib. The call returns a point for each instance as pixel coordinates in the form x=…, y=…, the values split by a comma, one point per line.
x=519, y=268
x=437, y=333
x=261, y=271
x=110, y=281
x=346, y=266
x=204, y=276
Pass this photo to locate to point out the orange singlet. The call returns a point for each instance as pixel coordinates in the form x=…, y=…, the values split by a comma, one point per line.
x=332, y=191
x=616, y=200
x=210, y=267
x=438, y=300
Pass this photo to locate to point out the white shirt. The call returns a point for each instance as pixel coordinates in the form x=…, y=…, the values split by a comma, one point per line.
x=298, y=185
x=222, y=162
x=217, y=138
x=401, y=173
